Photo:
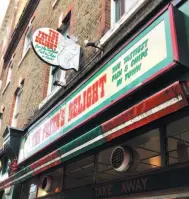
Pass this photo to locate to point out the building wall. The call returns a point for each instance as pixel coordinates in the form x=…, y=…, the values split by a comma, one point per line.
x=87, y=22
x=10, y=20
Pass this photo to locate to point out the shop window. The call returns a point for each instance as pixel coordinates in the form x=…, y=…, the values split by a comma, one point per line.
x=29, y=189
x=178, y=141
x=28, y=39
x=79, y=173
x=145, y=155
x=17, y=105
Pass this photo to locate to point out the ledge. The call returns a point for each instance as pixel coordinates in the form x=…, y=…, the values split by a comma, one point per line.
x=124, y=19
x=6, y=86
x=48, y=97
x=54, y=3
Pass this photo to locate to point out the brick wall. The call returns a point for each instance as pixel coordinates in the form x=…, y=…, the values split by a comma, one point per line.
x=86, y=19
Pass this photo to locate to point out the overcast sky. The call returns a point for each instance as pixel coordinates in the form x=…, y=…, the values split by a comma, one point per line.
x=3, y=8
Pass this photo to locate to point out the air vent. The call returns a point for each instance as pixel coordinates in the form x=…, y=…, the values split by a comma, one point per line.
x=121, y=158
x=46, y=183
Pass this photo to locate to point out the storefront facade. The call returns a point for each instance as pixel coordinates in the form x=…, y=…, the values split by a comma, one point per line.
x=123, y=131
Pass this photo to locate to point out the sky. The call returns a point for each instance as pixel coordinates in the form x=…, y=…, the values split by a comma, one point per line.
x=3, y=8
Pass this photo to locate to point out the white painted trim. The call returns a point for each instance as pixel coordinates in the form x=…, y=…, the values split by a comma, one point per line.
x=50, y=93
x=27, y=40
x=156, y=109
x=23, y=57
x=6, y=86
x=48, y=97
x=60, y=19
x=54, y=3
x=145, y=115
x=124, y=19
x=0, y=84
x=16, y=108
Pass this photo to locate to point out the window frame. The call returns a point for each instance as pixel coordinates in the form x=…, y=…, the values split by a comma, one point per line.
x=53, y=71
x=17, y=105
x=114, y=27
x=9, y=74
x=119, y=9
x=27, y=40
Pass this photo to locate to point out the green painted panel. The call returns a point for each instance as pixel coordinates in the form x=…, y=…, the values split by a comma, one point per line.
x=185, y=9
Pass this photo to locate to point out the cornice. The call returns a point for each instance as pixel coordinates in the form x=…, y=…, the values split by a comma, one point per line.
x=20, y=28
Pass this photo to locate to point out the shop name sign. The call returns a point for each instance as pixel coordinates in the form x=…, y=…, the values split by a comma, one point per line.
x=52, y=48
x=146, y=55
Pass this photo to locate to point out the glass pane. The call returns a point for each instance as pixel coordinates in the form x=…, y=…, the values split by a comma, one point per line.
x=178, y=141
x=29, y=189
x=119, y=9
x=117, y=14
x=79, y=173
x=146, y=155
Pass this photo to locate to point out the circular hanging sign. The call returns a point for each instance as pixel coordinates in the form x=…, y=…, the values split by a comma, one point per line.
x=52, y=48
x=46, y=43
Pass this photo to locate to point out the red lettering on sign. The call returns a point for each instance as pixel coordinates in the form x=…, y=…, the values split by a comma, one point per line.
x=87, y=98
x=84, y=100
x=46, y=130
x=48, y=40
x=54, y=123
x=95, y=92
x=36, y=137
x=102, y=81
x=62, y=117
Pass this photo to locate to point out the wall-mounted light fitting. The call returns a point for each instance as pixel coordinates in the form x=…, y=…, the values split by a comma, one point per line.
x=59, y=83
x=93, y=44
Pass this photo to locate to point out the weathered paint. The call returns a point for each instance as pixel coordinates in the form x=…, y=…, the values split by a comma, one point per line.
x=147, y=111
